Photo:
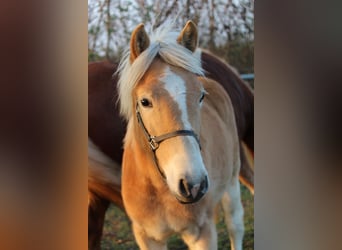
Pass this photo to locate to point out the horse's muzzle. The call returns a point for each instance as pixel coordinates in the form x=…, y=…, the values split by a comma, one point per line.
x=190, y=193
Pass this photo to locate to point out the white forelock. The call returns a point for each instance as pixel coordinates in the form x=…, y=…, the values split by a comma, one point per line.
x=163, y=43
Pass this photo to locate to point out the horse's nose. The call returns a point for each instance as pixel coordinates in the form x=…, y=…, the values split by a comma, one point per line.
x=193, y=192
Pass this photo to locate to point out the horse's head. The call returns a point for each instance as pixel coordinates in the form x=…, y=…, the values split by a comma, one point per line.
x=168, y=99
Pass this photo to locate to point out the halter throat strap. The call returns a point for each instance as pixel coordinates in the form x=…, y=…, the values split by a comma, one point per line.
x=154, y=141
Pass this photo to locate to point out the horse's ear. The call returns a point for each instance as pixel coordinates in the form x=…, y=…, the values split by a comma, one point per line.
x=189, y=36
x=139, y=41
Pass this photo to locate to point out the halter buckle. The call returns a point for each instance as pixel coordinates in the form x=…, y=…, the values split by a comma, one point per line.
x=153, y=144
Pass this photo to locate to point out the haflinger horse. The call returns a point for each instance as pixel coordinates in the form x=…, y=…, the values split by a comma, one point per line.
x=181, y=149
x=107, y=128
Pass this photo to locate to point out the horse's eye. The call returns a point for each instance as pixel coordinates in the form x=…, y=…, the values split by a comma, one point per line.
x=145, y=102
x=202, y=97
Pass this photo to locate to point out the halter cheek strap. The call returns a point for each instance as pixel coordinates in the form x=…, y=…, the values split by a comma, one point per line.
x=154, y=141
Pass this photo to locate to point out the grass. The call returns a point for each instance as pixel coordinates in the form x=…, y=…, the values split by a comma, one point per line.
x=117, y=233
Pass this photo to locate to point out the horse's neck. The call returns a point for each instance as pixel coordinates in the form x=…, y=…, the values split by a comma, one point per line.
x=140, y=158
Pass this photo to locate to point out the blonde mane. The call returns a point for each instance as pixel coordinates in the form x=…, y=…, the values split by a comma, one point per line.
x=163, y=43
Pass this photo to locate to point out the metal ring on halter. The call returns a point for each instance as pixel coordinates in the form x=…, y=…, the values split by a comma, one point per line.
x=153, y=144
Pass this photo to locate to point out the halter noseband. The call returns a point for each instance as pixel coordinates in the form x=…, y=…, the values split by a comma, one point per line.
x=154, y=141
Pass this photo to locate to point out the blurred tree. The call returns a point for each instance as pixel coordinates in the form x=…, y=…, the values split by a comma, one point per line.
x=226, y=27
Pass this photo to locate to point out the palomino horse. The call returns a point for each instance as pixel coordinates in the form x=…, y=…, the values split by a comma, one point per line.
x=107, y=129
x=181, y=149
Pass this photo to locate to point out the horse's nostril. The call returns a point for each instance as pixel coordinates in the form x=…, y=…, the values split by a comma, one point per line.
x=190, y=193
x=204, y=185
x=185, y=188
x=188, y=190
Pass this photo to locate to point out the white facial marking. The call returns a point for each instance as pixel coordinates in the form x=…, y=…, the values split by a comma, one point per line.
x=175, y=85
x=187, y=162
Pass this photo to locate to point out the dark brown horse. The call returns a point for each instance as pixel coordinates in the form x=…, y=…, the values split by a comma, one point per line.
x=107, y=130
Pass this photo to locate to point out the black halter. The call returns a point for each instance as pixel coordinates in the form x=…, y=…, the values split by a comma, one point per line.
x=154, y=141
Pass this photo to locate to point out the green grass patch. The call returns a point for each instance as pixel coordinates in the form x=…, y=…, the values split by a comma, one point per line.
x=117, y=233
